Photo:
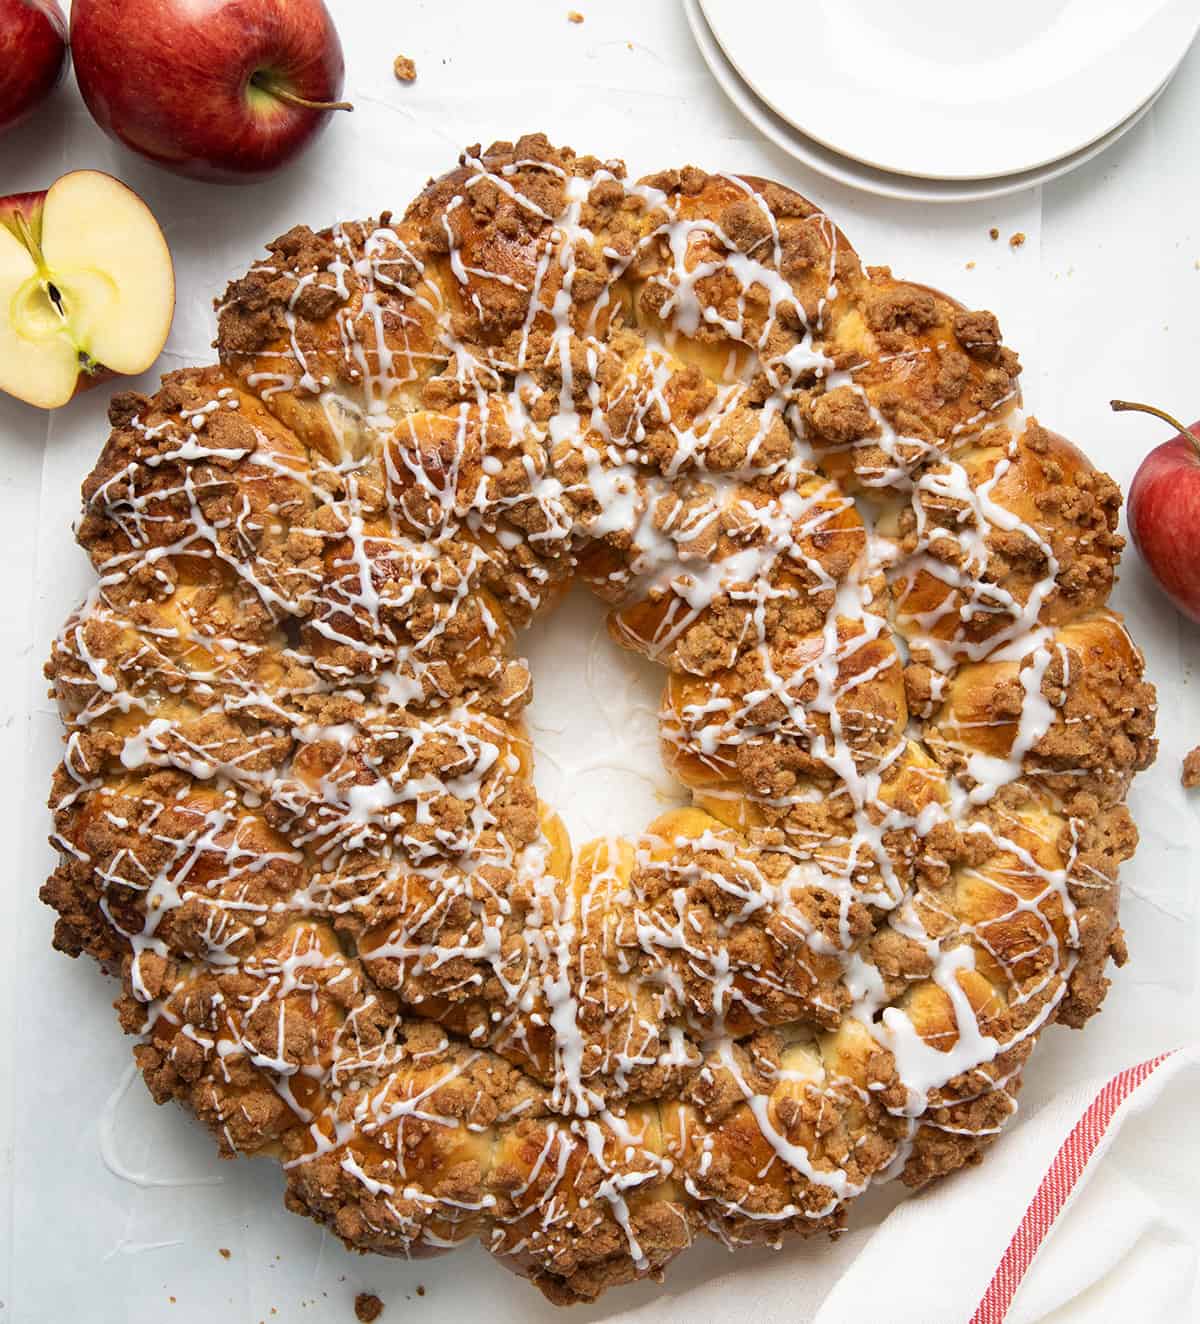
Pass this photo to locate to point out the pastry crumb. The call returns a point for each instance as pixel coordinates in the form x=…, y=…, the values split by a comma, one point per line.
x=1191, y=769
x=404, y=69
x=1016, y=240
x=224, y=1252
x=574, y=16
x=970, y=266
x=367, y=1307
x=420, y=1289
x=993, y=233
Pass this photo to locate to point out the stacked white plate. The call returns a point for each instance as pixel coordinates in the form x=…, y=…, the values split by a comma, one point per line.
x=943, y=100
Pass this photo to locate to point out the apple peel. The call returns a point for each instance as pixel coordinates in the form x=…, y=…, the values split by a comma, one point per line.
x=1163, y=509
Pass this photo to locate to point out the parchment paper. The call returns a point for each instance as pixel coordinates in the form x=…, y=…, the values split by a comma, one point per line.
x=117, y=1209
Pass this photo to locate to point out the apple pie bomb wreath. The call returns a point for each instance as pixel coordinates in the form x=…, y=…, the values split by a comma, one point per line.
x=297, y=811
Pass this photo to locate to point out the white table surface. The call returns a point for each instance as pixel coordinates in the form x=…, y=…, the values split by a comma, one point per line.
x=1102, y=299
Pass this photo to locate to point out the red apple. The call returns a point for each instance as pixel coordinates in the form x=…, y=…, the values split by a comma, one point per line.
x=33, y=55
x=87, y=288
x=1164, y=511
x=225, y=90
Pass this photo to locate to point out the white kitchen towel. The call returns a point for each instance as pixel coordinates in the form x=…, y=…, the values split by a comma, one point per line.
x=1075, y=1202
x=1085, y=1212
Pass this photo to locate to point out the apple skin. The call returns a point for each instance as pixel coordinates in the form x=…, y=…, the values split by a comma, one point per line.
x=1164, y=519
x=171, y=79
x=28, y=205
x=33, y=55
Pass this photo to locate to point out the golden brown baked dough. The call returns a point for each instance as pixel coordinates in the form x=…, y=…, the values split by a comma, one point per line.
x=296, y=809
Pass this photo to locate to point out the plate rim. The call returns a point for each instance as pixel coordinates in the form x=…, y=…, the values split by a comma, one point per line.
x=950, y=178
x=851, y=173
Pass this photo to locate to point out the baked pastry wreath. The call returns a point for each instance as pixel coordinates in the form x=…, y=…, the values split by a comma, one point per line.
x=296, y=809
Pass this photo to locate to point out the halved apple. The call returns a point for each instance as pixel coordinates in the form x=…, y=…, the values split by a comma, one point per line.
x=87, y=287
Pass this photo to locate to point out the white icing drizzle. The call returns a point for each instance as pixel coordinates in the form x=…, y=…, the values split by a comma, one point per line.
x=106, y=1134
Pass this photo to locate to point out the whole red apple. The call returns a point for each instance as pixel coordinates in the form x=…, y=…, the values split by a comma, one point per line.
x=33, y=55
x=1164, y=511
x=225, y=90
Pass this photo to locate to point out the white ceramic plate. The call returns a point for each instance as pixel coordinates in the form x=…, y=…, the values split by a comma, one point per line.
x=954, y=89
x=855, y=175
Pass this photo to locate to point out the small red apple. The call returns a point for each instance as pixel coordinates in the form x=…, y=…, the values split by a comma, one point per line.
x=224, y=90
x=1164, y=511
x=87, y=288
x=33, y=55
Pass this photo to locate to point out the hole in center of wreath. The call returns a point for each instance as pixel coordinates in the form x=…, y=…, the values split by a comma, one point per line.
x=594, y=725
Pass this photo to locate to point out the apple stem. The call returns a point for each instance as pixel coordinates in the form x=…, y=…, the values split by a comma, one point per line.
x=268, y=84
x=1125, y=406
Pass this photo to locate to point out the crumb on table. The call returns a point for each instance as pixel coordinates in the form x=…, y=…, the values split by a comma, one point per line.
x=1016, y=240
x=420, y=1289
x=404, y=69
x=1191, y=769
x=367, y=1307
x=574, y=16
x=970, y=266
x=993, y=233
x=224, y=1252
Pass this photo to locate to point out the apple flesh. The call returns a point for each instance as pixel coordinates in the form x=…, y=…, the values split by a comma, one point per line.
x=1164, y=511
x=87, y=287
x=225, y=90
x=33, y=55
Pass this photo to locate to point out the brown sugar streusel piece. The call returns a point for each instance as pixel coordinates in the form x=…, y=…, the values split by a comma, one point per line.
x=367, y=1307
x=1191, y=769
x=404, y=69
